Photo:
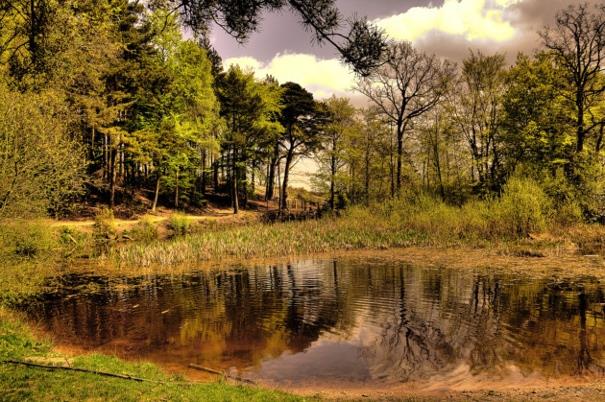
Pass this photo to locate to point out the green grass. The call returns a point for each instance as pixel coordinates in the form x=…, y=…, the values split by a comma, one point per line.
x=19, y=383
x=262, y=240
x=410, y=220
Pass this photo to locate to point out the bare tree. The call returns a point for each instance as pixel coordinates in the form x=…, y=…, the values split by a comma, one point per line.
x=407, y=85
x=476, y=109
x=577, y=40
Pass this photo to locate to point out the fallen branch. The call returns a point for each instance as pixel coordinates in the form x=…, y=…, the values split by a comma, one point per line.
x=81, y=370
x=221, y=373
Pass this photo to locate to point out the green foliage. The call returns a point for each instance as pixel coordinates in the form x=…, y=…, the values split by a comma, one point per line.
x=144, y=231
x=523, y=208
x=40, y=164
x=179, y=224
x=27, y=239
x=104, y=231
x=537, y=126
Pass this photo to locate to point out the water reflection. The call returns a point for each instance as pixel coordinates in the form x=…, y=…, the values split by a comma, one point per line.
x=327, y=320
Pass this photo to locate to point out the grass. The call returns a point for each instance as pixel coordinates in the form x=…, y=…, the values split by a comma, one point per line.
x=20, y=383
x=509, y=223
x=411, y=220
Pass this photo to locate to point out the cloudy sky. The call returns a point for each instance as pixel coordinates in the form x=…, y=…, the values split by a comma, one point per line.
x=448, y=28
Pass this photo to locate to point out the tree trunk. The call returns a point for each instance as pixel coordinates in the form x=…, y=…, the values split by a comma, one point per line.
x=203, y=181
x=580, y=130
x=105, y=158
x=253, y=179
x=271, y=178
x=215, y=176
x=279, y=183
x=332, y=179
x=234, y=184
x=244, y=184
x=399, y=158
x=112, y=178
x=284, y=197
x=176, y=190
x=156, y=195
x=92, y=144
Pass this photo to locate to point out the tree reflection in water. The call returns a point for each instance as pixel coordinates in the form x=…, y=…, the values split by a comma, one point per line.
x=336, y=320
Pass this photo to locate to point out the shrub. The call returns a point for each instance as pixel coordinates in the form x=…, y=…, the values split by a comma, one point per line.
x=27, y=239
x=104, y=231
x=179, y=224
x=523, y=208
x=144, y=231
x=569, y=213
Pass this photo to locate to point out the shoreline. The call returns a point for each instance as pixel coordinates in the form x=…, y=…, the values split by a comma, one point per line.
x=458, y=258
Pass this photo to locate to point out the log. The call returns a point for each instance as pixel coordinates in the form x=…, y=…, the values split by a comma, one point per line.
x=221, y=373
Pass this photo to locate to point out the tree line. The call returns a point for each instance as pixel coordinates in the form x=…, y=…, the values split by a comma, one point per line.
x=110, y=98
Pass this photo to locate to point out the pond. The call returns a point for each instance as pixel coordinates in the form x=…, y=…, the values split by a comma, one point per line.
x=337, y=322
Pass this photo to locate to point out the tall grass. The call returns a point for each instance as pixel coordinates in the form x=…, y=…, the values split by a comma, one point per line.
x=410, y=220
x=413, y=219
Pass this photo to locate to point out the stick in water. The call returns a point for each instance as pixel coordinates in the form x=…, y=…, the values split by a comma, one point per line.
x=221, y=373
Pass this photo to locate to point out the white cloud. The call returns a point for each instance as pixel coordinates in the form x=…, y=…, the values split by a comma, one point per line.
x=474, y=20
x=322, y=77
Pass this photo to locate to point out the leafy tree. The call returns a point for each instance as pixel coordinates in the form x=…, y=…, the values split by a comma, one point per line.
x=477, y=112
x=577, y=41
x=300, y=120
x=537, y=124
x=41, y=165
x=247, y=107
x=338, y=129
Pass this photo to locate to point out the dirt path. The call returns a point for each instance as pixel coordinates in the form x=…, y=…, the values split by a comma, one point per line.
x=162, y=217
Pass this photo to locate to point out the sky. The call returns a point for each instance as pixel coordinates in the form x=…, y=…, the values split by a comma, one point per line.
x=447, y=28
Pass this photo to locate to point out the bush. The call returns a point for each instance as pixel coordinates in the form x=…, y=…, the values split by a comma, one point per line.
x=144, y=231
x=569, y=213
x=27, y=239
x=74, y=243
x=42, y=163
x=179, y=224
x=523, y=208
x=104, y=231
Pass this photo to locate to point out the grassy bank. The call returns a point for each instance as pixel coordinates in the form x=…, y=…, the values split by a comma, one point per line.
x=19, y=383
x=523, y=221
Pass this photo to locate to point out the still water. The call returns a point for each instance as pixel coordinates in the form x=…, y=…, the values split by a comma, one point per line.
x=337, y=321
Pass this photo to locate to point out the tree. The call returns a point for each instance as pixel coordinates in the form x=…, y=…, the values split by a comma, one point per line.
x=41, y=166
x=537, y=130
x=299, y=119
x=26, y=47
x=248, y=108
x=407, y=85
x=577, y=41
x=359, y=43
x=476, y=108
x=340, y=124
